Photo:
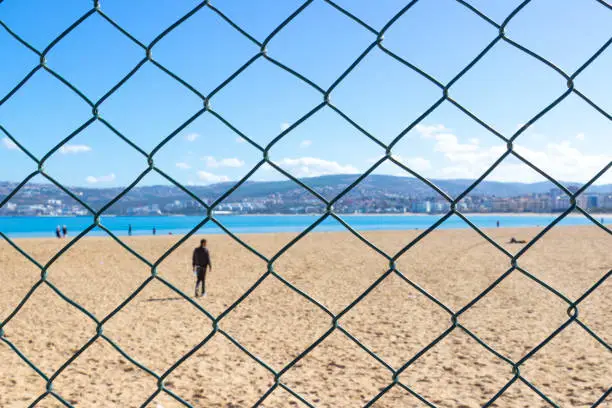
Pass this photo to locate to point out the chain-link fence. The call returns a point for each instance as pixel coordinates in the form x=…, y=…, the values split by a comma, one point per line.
x=513, y=260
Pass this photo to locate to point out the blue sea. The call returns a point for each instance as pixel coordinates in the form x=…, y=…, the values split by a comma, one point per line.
x=45, y=226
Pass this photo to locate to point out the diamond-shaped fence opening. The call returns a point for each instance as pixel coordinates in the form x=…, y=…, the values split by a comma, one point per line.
x=90, y=287
x=159, y=347
x=139, y=123
x=18, y=62
x=570, y=28
x=22, y=383
x=447, y=35
x=281, y=97
x=390, y=80
x=586, y=82
x=346, y=373
x=592, y=307
x=565, y=369
x=284, y=318
x=214, y=373
x=127, y=384
x=453, y=289
x=47, y=330
x=556, y=248
x=19, y=277
x=92, y=44
x=395, y=331
x=459, y=372
x=333, y=287
x=211, y=54
x=327, y=50
x=155, y=310
x=531, y=312
x=37, y=97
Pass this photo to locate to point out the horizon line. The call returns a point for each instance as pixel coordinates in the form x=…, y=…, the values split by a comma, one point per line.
x=169, y=184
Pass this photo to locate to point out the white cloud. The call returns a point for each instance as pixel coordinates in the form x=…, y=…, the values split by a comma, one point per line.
x=240, y=140
x=449, y=144
x=232, y=162
x=101, y=179
x=469, y=154
x=211, y=178
x=74, y=149
x=313, y=167
x=469, y=160
x=305, y=144
x=284, y=126
x=564, y=162
x=191, y=137
x=8, y=143
x=580, y=136
x=429, y=131
x=414, y=163
x=183, y=166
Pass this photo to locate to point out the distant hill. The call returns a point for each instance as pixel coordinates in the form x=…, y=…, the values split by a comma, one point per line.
x=400, y=185
x=377, y=187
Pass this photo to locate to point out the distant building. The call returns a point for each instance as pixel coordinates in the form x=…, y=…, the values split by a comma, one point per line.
x=421, y=206
x=500, y=205
x=559, y=200
x=592, y=201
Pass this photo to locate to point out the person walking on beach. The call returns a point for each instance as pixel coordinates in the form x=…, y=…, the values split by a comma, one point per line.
x=58, y=232
x=64, y=231
x=201, y=262
x=130, y=230
x=497, y=223
x=154, y=231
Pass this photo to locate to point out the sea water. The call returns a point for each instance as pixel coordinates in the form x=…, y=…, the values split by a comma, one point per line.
x=164, y=225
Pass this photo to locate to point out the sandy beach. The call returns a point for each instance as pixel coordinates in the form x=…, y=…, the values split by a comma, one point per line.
x=276, y=324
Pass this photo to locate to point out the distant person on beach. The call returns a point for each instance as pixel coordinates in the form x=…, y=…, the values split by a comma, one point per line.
x=154, y=230
x=58, y=232
x=497, y=223
x=517, y=241
x=64, y=231
x=201, y=262
x=130, y=230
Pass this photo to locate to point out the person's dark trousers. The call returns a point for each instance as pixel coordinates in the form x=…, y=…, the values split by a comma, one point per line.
x=201, y=273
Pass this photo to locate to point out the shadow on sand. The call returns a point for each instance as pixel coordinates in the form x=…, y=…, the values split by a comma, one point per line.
x=164, y=299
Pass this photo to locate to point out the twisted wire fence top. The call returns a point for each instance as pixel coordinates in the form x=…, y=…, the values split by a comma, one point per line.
x=445, y=90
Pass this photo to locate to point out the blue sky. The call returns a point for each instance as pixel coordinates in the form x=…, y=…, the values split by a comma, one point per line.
x=505, y=89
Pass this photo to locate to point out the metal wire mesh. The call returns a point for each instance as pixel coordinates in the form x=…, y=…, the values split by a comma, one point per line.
x=514, y=264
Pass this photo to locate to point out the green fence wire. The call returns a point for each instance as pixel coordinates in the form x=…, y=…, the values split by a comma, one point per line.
x=514, y=266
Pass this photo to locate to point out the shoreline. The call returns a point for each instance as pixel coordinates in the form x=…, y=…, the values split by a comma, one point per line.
x=44, y=227
x=291, y=233
x=408, y=214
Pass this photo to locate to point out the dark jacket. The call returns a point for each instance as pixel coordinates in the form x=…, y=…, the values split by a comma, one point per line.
x=201, y=257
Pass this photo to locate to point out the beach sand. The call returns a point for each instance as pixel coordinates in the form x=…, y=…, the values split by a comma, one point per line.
x=276, y=324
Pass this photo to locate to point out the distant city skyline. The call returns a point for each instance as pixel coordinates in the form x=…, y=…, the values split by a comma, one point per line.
x=378, y=196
